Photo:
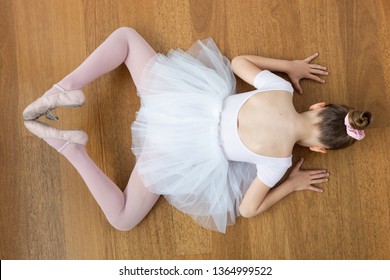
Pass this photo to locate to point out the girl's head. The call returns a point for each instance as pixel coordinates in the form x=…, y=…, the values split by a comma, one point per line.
x=336, y=120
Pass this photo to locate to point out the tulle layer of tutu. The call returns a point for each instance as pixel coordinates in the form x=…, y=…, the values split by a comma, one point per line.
x=176, y=135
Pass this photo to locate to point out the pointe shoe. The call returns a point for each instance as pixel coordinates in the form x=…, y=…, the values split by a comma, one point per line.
x=44, y=104
x=43, y=130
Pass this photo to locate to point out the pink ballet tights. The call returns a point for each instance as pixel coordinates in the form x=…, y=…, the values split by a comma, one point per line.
x=123, y=210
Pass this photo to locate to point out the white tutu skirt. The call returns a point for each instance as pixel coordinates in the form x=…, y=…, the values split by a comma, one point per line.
x=176, y=135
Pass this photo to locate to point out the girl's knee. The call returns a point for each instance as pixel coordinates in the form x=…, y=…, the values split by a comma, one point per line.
x=125, y=30
x=122, y=226
x=123, y=223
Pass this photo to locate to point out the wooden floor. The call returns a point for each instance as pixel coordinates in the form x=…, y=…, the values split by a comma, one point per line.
x=48, y=213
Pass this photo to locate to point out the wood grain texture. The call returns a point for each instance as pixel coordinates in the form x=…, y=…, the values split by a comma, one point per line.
x=46, y=212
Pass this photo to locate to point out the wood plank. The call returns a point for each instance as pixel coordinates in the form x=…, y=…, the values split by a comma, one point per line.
x=46, y=211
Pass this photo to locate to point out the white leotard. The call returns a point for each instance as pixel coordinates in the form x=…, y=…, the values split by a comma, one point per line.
x=269, y=169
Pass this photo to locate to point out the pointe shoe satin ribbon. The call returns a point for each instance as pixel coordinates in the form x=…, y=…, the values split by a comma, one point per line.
x=43, y=130
x=45, y=104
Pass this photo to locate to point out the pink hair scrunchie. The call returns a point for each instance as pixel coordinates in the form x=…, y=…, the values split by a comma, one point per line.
x=354, y=133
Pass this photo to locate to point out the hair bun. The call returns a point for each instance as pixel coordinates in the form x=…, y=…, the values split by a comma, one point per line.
x=359, y=120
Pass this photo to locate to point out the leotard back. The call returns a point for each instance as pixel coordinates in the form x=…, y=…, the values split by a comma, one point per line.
x=269, y=169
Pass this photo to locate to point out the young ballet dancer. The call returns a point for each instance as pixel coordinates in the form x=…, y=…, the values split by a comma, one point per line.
x=212, y=153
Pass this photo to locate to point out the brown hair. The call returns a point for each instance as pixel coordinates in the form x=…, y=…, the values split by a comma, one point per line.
x=333, y=130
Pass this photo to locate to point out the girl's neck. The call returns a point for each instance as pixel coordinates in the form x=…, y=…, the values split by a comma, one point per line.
x=307, y=129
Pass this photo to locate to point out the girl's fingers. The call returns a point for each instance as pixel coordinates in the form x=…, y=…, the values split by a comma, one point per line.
x=317, y=66
x=298, y=87
x=320, y=176
x=298, y=164
x=315, y=172
x=319, y=181
x=310, y=58
x=315, y=189
x=317, y=79
x=318, y=72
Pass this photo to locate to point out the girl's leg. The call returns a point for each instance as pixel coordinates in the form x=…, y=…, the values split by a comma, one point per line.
x=124, y=45
x=125, y=209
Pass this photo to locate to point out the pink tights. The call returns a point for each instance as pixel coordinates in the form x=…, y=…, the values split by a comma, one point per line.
x=124, y=210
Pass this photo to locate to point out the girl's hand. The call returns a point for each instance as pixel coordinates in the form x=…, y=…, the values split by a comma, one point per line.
x=302, y=69
x=303, y=179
